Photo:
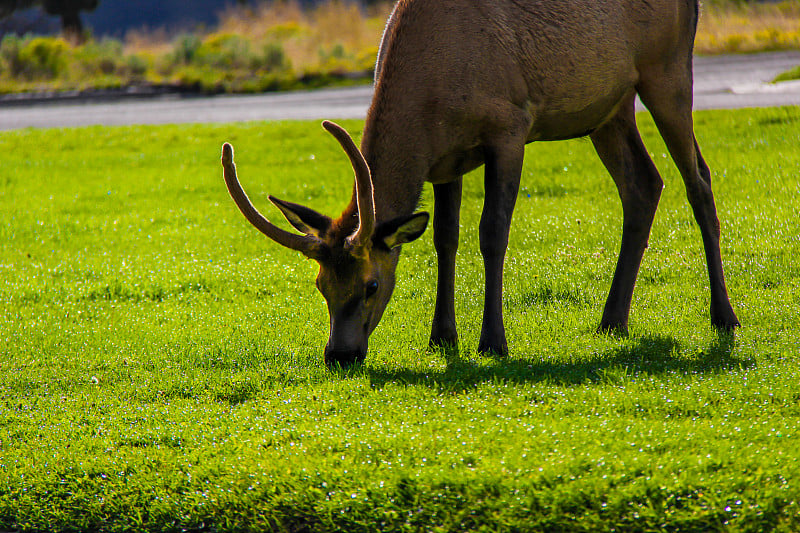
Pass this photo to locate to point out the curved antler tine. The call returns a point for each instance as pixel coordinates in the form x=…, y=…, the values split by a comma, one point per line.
x=309, y=246
x=364, y=193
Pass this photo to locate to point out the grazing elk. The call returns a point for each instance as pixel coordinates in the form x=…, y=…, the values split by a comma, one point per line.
x=461, y=83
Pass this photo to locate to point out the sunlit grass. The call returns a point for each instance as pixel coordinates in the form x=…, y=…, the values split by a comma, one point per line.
x=161, y=367
x=791, y=74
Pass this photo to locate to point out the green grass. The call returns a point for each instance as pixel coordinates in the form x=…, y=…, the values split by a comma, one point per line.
x=791, y=74
x=161, y=364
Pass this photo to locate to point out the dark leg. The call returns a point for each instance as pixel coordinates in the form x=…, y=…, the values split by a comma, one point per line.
x=447, y=204
x=503, y=170
x=672, y=112
x=702, y=201
x=620, y=148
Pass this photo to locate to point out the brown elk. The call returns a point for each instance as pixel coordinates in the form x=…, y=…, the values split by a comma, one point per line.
x=461, y=83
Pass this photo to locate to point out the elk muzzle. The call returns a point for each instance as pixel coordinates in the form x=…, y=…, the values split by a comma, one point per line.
x=347, y=344
x=343, y=358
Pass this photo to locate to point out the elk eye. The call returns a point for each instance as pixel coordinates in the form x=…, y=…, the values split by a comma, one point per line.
x=372, y=288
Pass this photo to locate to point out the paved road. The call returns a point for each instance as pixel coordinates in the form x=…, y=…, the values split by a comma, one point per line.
x=720, y=82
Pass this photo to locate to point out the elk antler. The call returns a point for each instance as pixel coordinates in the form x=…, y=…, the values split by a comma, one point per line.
x=308, y=245
x=364, y=194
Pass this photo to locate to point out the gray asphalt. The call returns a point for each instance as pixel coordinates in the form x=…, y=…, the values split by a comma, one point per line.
x=721, y=82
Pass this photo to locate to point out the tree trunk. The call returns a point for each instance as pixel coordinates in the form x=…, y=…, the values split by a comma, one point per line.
x=72, y=27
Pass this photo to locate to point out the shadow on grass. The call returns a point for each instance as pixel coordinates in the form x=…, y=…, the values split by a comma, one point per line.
x=649, y=355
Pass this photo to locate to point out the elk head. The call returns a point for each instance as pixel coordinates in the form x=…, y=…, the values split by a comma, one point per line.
x=357, y=255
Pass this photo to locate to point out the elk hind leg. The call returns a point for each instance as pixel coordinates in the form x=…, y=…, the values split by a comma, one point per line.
x=446, y=210
x=625, y=157
x=671, y=108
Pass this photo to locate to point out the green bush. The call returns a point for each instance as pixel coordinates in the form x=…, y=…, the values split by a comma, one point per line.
x=9, y=54
x=335, y=59
x=34, y=58
x=103, y=57
x=274, y=58
x=135, y=67
x=288, y=30
x=44, y=56
x=198, y=78
x=226, y=51
x=185, y=49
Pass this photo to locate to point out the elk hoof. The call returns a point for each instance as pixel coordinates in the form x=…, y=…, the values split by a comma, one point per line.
x=496, y=349
x=614, y=329
x=447, y=346
x=445, y=340
x=725, y=321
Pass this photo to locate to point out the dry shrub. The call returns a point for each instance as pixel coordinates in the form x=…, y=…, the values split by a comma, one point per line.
x=152, y=42
x=337, y=22
x=257, y=21
x=727, y=27
x=310, y=38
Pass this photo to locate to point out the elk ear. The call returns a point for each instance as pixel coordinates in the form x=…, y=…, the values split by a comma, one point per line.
x=305, y=220
x=401, y=230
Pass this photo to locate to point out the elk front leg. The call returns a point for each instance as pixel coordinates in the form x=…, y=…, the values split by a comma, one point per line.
x=501, y=182
x=446, y=210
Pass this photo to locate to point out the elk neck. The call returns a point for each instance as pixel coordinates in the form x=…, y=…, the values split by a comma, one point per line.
x=398, y=162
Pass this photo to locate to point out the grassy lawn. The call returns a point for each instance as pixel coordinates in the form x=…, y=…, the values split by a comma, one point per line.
x=791, y=74
x=161, y=365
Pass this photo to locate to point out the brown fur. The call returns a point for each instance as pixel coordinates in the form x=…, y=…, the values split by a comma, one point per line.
x=464, y=83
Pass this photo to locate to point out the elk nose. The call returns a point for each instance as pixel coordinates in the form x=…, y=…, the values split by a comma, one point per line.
x=343, y=358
